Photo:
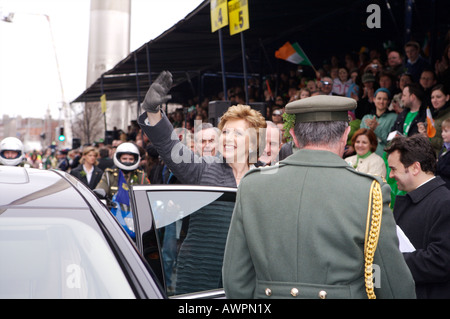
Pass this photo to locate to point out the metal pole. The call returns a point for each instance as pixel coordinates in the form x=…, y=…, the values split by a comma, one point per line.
x=434, y=31
x=104, y=113
x=244, y=64
x=149, y=70
x=388, y=5
x=224, y=81
x=408, y=19
x=137, y=84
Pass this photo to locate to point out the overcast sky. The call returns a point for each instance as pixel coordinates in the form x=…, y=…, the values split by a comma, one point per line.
x=29, y=81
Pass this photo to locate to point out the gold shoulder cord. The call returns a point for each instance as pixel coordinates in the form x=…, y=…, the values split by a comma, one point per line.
x=371, y=237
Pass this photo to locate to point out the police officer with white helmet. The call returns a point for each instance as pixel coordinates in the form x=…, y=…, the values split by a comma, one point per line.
x=12, y=152
x=126, y=159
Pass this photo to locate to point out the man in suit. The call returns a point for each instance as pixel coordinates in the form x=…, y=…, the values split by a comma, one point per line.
x=423, y=214
x=306, y=237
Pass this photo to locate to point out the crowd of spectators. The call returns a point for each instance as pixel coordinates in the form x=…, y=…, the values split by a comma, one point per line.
x=376, y=79
x=396, y=92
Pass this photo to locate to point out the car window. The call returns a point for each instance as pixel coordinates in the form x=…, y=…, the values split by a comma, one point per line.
x=192, y=227
x=57, y=258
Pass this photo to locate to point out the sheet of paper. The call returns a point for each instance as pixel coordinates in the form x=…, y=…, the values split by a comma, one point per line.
x=404, y=242
x=393, y=134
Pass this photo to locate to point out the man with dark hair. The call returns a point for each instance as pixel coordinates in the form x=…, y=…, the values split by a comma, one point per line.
x=423, y=213
x=104, y=161
x=413, y=114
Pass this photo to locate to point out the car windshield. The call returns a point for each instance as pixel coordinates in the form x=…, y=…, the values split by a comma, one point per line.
x=57, y=258
x=193, y=228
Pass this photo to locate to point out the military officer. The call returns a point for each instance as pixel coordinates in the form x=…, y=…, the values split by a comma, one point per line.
x=306, y=236
x=127, y=159
x=12, y=153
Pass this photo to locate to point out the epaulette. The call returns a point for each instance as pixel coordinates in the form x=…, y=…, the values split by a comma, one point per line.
x=114, y=171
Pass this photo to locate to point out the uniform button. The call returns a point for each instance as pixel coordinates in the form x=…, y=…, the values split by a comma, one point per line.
x=323, y=294
x=268, y=292
x=294, y=292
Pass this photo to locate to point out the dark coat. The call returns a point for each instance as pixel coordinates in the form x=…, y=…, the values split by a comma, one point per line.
x=424, y=216
x=443, y=167
x=398, y=125
x=95, y=179
x=417, y=68
x=105, y=162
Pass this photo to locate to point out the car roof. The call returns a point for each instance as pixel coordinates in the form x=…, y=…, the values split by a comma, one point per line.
x=30, y=187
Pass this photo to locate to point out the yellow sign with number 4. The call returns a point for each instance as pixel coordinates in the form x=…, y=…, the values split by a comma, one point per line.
x=219, y=14
x=238, y=15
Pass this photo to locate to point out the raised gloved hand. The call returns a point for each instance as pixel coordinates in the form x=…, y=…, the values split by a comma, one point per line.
x=157, y=93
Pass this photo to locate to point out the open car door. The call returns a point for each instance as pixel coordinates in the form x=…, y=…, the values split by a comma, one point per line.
x=181, y=231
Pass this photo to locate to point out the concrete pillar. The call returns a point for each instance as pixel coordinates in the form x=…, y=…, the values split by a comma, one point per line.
x=109, y=43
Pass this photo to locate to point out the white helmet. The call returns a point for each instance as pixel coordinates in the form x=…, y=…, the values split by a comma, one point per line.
x=11, y=144
x=127, y=148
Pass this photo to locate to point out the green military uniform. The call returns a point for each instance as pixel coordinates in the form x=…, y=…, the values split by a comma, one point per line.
x=110, y=179
x=298, y=231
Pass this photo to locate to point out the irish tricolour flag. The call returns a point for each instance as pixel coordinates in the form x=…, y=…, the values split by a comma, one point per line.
x=431, y=130
x=292, y=53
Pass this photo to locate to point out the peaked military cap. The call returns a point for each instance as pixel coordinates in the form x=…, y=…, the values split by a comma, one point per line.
x=321, y=108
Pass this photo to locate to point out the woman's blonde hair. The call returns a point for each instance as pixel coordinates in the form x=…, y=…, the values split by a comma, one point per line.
x=244, y=112
x=86, y=151
x=253, y=117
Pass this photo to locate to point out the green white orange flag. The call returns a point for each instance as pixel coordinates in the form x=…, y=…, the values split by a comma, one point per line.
x=431, y=130
x=293, y=53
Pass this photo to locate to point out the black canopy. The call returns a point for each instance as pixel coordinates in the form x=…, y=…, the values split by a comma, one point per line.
x=322, y=28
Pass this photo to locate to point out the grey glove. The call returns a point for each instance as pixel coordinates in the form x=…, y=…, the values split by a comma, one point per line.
x=157, y=93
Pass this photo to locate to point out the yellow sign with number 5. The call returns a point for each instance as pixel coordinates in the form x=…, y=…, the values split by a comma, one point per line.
x=219, y=14
x=238, y=15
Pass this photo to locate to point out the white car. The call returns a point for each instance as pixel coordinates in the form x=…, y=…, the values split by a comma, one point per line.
x=57, y=240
